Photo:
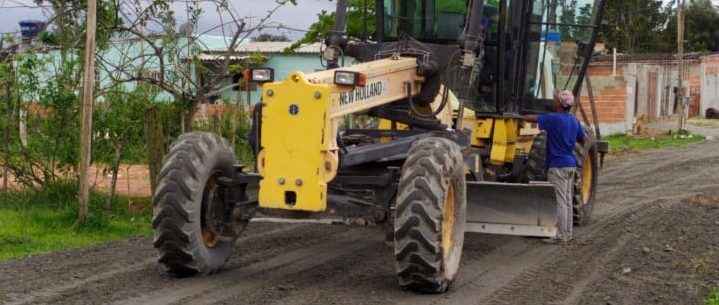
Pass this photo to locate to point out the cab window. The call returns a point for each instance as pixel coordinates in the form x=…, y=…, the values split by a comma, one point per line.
x=425, y=20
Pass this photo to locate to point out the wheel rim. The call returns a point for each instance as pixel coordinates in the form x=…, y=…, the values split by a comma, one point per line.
x=210, y=205
x=448, y=221
x=587, y=177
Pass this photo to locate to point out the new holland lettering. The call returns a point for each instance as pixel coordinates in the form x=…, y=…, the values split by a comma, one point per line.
x=361, y=94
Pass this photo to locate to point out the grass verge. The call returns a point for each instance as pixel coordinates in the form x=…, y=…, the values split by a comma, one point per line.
x=44, y=221
x=621, y=143
x=704, y=122
x=713, y=298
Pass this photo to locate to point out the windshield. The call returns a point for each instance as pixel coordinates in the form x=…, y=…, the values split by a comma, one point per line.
x=425, y=20
x=559, y=32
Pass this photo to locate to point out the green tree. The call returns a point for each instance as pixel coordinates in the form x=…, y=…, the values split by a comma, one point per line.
x=357, y=21
x=119, y=124
x=270, y=37
x=48, y=112
x=568, y=16
x=702, y=27
x=42, y=104
x=634, y=26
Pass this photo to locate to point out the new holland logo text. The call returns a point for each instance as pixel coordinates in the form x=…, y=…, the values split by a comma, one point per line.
x=363, y=93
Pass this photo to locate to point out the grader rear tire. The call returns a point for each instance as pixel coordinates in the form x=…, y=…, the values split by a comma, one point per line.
x=430, y=216
x=185, y=207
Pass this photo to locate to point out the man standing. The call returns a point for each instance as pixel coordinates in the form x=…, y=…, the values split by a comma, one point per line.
x=563, y=132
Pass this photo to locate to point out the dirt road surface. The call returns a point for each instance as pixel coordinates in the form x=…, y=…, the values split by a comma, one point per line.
x=654, y=240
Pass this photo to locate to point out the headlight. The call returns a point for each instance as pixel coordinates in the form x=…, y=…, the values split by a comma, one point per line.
x=263, y=75
x=350, y=78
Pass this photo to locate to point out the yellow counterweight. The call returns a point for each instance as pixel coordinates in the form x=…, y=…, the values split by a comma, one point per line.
x=300, y=121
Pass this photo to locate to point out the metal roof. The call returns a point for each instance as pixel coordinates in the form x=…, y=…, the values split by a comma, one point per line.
x=214, y=42
x=218, y=57
x=277, y=47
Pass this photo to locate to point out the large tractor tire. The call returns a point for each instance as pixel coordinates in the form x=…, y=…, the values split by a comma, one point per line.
x=537, y=159
x=189, y=216
x=585, y=184
x=430, y=216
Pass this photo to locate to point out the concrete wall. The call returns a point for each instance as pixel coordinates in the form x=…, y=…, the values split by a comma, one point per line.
x=710, y=83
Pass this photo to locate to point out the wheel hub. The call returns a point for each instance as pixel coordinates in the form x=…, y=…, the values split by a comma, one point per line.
x=212, y=213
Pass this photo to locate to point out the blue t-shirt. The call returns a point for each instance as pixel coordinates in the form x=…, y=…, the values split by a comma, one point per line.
x=563, y=132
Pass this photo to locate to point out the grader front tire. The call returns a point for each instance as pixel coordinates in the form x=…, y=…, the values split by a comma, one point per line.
x=430, y=216
x=187, y=244
x=585, y=185
x=537, y=159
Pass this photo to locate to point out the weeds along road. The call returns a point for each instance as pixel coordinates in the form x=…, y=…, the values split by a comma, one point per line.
x=645, y=227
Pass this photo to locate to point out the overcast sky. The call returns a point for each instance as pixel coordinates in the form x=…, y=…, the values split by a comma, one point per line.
x=300, y=16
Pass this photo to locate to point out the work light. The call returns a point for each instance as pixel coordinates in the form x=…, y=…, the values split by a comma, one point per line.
x=350, y=78
x=261, y=75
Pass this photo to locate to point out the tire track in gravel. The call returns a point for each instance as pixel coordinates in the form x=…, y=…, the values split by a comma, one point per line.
x=202, y=290
x=127, y=278
x=516, y=273
x=561, y=279
x=486, y=275
x=120, y=268
x=484, y=288
x=323, y=264
x=153, y=278
x=680, y=176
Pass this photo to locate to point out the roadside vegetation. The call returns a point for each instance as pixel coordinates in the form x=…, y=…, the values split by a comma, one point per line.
x=628, y=143
x=33, y=222
x=713, y=298
x=145, y=98
x=704, y=122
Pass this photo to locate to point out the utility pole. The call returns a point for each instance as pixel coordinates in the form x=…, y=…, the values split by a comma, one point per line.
x=87, y=103
x=680, y=48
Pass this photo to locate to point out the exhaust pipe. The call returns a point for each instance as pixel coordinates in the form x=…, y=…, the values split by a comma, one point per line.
x=335, y=40
x=473, y=33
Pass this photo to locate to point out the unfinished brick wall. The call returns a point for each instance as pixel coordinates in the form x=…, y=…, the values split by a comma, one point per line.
x=610, y=94
x=694, y=80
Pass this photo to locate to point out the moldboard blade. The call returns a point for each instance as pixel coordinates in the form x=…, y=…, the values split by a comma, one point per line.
x=512, y=209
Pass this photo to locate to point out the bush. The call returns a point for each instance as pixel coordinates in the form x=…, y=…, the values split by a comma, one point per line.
x=713, y=298
x=233, y=124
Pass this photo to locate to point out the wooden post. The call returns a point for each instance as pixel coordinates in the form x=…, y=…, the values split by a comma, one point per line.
x=87, y=103
x=680, y=49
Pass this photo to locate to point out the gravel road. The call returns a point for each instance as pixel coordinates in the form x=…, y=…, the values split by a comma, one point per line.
x=654, y=240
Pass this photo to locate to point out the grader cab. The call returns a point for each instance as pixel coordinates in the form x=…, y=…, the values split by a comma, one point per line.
x=444, y=85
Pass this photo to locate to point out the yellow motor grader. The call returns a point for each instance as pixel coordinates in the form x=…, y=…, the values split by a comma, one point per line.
x=446, y=84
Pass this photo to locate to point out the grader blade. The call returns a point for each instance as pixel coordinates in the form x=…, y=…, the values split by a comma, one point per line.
x=512, y=209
